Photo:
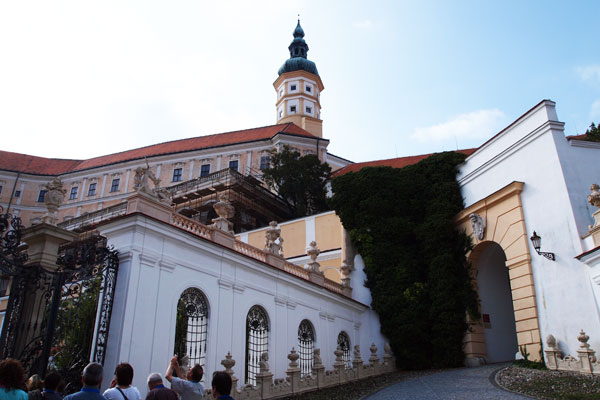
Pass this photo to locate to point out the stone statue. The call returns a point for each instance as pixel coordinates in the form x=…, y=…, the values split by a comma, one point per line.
x=317, y=362
x=142, y=183
x=313, y=252
x=53, y=199
x=357, y=352
x=264, y=362
x=478, y=224
x=224, y=210
x=274, y=241
x=594, y=198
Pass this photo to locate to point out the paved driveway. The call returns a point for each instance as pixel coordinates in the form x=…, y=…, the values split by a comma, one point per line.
x=457, y=384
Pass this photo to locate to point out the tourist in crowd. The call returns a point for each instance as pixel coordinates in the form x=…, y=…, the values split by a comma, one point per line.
x=52, y=386
x=34, y=383
x=189, y=386
x=221, y=385
x=120, y=387
x=48, y=389
x=158, y=391
x=91, y=379
x=12, y=380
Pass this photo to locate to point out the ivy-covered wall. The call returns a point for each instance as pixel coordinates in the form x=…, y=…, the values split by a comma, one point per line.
x=401, y=221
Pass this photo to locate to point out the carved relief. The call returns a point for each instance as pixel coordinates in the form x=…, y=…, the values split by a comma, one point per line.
x=478, y=224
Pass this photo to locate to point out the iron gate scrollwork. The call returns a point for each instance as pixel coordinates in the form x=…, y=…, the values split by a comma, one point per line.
x=57, y=318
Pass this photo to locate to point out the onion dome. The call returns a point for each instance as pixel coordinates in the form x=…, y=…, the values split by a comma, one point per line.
x=298, y=49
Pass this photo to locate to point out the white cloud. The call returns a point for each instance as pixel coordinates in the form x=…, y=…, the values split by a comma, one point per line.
x=595, y=110
x=589, y=73
x=365, y=24
x=473, y=125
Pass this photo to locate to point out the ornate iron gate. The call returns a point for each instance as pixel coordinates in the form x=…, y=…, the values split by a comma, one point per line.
x=57, y=319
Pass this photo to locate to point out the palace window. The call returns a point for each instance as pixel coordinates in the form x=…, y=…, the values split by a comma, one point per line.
x=205, y=170
x=265, y=162
x=257, y=341
x=92, y=189
x=42, y=195
x=191, y=326
x=177, y=172
x=17, y=193
x=114, y=187
x=306, y=344
x=73, y=194
x=0, y=190
x=343, y=342
x=233, y=164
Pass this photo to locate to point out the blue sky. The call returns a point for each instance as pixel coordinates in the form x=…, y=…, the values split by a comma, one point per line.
x=81, y=79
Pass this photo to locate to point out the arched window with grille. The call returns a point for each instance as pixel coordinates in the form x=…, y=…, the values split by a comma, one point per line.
x=343, y=342
x=191, y=326
x=306, y=344
x=257, y=341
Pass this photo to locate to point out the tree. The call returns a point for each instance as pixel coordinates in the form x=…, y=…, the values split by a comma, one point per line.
x=593, y=133
x=300, y=180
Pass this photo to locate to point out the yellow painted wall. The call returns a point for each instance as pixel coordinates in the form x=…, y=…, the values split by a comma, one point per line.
x=294, y=239
x=328, y=231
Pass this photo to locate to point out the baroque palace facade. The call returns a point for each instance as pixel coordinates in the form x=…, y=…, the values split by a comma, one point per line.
x=155, y=205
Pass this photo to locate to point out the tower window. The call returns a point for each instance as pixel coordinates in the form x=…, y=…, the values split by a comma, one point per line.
x=293, y=87
x=114, y=187
x=205, y=170
x=293, y=109
x=265, y=162
x=309, y=110
x=92, y=189
x=42, y=195
x=177, y=172
x=73, y=194
x=281, y=93
x=280, y=113
x=309, y=89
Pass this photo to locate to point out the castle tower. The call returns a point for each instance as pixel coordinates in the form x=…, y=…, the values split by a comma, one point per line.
x=299, y=88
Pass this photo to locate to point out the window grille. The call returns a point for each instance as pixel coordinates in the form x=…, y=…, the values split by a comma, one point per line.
x=92, y=189
x=306, y=344
x=343, y=342
x=205, y=170
x=265, y=162
x=177, y=172
x=191, y=326
x=257, y=341
x=114, y=187
x=42, y=195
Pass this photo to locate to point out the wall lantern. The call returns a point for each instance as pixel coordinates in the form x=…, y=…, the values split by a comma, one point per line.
x=537, y=245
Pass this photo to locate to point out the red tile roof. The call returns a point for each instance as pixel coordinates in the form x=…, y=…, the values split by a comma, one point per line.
x=391, y=162
x=577, y=137
x=52, y=166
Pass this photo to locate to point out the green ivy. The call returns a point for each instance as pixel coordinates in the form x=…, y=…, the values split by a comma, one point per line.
x=401, y=221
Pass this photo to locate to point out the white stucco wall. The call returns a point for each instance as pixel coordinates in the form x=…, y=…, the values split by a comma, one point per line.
x=158, y=262
x=535, y=151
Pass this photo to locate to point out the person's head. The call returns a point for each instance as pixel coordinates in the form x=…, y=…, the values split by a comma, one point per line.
x=124, y=374
x=34, y=383
x=221, y=384
x=52, y=381
x=92, y=375
x=154, y=379
x=12, y=375
x=195, y=374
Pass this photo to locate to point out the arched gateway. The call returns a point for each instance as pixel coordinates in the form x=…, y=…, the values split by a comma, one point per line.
x=500, y=254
